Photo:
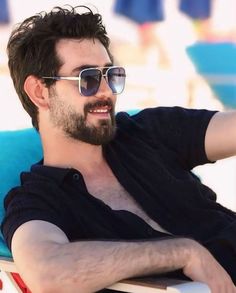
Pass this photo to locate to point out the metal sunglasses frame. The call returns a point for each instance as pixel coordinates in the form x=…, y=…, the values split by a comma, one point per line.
x=78, y=78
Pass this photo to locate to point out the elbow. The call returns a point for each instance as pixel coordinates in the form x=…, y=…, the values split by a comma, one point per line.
x=52, y=284
x=44, y=286
x=41, y=285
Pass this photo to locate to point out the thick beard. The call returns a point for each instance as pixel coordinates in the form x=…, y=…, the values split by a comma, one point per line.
x=75, y=125
x=96, y=135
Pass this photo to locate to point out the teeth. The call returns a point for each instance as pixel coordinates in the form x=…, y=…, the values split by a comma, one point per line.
x=99, y=111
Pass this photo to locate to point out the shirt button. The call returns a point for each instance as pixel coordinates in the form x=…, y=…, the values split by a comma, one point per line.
x=76, y=176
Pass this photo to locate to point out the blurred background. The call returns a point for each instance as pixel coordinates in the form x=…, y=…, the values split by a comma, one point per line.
x=176, y=52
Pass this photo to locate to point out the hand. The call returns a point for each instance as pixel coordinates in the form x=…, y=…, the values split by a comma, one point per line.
x=203, y=267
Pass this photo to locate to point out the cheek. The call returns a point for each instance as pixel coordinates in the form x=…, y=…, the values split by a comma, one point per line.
x=114, y=100
x=72, y=97
x=68, y=89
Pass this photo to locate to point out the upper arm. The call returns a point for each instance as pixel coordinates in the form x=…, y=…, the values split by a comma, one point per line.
x=220, y=140
x=32, y=244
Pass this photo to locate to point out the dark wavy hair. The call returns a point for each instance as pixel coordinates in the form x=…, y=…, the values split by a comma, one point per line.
x=31, y=47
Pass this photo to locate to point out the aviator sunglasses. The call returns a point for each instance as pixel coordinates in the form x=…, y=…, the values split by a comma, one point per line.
x=89, y=79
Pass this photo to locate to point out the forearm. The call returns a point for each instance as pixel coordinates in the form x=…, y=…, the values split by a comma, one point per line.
x=92, y=265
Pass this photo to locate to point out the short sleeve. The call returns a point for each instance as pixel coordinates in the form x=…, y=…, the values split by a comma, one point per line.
x=179, y=129
x=25, y=203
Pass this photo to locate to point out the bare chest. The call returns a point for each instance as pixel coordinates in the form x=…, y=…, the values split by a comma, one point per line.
x=112, y=193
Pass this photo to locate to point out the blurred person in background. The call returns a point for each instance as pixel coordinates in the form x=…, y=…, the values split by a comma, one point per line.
x=4, y=12
x=202, y=14
x=147, y=14
x=199, y=12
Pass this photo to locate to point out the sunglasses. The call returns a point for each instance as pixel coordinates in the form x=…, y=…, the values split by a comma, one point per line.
x=89, y=79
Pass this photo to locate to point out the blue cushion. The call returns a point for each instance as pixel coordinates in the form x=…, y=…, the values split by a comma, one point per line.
x=19, y=149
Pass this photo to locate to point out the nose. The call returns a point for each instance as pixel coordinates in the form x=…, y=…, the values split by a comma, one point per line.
x=104, y=90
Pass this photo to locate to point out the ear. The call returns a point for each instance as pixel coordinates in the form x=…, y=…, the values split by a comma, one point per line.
x=36, y=91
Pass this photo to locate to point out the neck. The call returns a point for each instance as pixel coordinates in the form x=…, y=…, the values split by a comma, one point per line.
x=65, y=152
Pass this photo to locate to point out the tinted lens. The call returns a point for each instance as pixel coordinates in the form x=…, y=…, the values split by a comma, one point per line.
x=116, y=79
x=90, y=81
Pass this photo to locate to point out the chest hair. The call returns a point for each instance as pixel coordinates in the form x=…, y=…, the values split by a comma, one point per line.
x=108, y=189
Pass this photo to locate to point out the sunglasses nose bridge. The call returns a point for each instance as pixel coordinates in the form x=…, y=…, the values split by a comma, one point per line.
x=104, y=77
x=104, y=88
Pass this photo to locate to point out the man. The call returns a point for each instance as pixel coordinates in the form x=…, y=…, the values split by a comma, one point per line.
x=113, y=198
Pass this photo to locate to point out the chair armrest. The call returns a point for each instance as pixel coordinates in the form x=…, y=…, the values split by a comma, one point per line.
x=159, y=285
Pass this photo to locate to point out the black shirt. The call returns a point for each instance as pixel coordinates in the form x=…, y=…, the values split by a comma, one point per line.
x=151, y=155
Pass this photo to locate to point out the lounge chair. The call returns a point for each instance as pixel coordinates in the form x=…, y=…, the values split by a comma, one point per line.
x=20, y=149
x=216, y=63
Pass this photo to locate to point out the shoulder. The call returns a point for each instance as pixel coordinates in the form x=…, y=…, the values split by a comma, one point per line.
x=162, y=117
x=159, y=113
x=41, y=182
x=140, y=117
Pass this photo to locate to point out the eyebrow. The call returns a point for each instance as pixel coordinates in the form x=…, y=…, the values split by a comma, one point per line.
x=85, y=66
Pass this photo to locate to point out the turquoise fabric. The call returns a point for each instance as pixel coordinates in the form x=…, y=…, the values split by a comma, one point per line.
x=216, y=62
x=19, y=149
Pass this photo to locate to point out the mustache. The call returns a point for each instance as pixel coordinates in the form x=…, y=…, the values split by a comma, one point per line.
x=100, y=103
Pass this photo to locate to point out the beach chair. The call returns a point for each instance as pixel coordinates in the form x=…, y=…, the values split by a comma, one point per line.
x=216, y=63
x=20, y=149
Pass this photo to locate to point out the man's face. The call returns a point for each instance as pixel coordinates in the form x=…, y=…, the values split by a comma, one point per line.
x=88, y=119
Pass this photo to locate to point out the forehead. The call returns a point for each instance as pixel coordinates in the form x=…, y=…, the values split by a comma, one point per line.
x=74, y=53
